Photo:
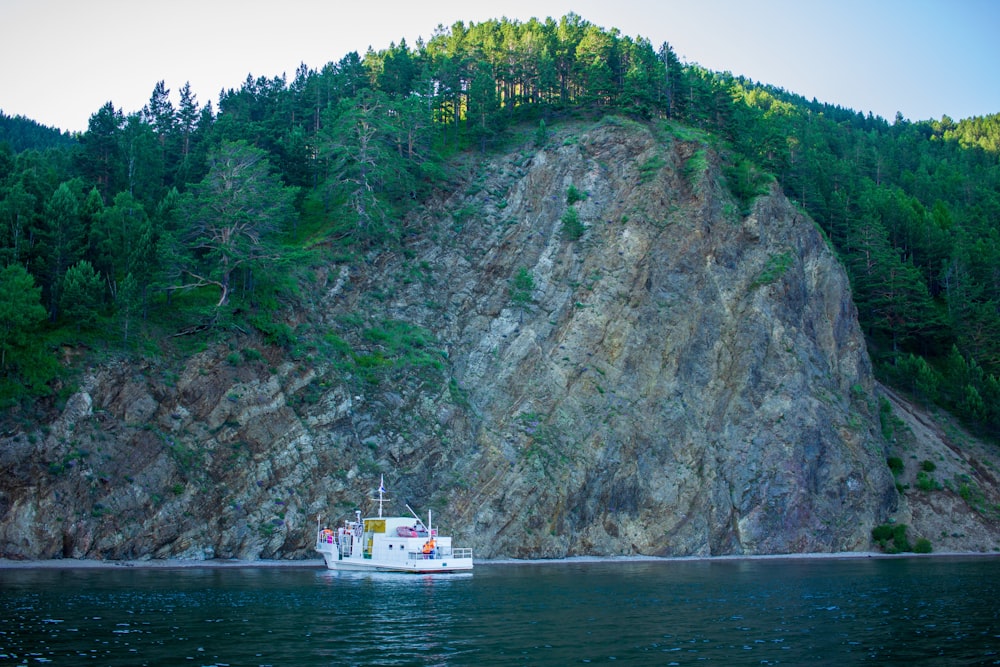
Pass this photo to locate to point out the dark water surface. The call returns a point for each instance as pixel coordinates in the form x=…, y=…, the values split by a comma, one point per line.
x=940, y=611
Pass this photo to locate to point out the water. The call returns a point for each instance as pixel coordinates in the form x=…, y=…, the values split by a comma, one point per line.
x=756, y=612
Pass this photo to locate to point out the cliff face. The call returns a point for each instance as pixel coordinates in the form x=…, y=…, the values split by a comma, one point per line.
x=682, y=379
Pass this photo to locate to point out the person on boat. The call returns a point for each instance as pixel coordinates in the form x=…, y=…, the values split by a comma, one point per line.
x=429, y=547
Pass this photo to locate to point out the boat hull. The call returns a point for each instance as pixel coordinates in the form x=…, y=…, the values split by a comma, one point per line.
x=413, y=567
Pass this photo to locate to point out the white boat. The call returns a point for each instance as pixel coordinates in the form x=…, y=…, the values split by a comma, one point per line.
x=390, y=544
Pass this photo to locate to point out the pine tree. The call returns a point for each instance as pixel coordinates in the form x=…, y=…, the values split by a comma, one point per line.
x=100, y=159
x=230, y=219
x=17, y=218
x=128, y=304
x=82, y=295
x=21, y=312
x=484, y=107
x=187, y=118
x=159, y=113
x=60, y=243
x=355, y=145
x=120, y=236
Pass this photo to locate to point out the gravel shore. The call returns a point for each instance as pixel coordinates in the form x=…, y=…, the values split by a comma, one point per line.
x=70, y=563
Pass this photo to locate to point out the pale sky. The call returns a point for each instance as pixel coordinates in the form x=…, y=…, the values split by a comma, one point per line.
x=61, y=60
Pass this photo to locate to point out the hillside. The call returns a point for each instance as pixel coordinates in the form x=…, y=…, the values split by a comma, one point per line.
x=591, y=349
x=956, y=505
x=20, y=134
x=128, y=234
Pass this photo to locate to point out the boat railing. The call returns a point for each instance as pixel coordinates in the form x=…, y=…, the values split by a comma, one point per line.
x=438, y=554
x=336, y=543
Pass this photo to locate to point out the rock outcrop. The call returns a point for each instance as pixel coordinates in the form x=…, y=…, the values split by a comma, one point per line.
x=589, y=348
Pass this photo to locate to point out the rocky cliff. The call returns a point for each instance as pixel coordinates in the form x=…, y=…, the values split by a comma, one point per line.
x=587, y=347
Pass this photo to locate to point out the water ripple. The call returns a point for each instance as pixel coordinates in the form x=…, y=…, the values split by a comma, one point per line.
x=658, y=613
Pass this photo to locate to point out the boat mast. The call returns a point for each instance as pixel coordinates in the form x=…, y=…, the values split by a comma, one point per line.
x=381, y=494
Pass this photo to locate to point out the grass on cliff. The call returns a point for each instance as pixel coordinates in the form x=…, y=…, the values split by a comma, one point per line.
x=746, y=182
x=384, y=349
x=777, y=266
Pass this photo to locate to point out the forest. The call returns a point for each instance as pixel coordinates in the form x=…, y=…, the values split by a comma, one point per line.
x=198, y=218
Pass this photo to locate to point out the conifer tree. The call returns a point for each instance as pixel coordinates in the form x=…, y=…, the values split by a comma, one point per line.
x=17, y=218
x=187, y=118
x=60, y=243
x=355, y=145
x=100, y=159
x=82, y=295
x=128, y=304
x=21, y=312
x=231, y=218
x=159, y=113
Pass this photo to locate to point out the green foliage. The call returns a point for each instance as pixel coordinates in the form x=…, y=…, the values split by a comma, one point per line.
x=888, y=422
x=128, y=302
x=82, y=295
x=541, y=134
x=572, y=228
x=459, y=395
x=777, y=266
x=955, y=383
x=232, y=217
x=978, y=132
x=916, y=375
x=573, y=195
x=396, y=348
x=746, y=181
x=60, y=241
x=23, y=134
x=21, y=312
x=651, y=167
x=521, y=287
x=925, y=482
x=274, y=331
x=882, y=532
x=25, y=362
x=188, y=460
x=922, y=546
x=534, y=426
x=891, y=538
x=976, y=499
x=895, y=465
x=695, y=167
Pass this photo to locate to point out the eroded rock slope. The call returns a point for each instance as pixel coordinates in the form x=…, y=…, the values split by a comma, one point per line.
x=666, y=374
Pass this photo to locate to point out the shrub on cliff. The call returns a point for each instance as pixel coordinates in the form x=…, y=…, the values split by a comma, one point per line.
x=891, y=538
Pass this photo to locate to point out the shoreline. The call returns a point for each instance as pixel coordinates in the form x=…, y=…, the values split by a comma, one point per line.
x=177, y=563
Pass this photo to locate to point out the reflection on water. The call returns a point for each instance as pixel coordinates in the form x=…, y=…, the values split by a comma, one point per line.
x=895, y=611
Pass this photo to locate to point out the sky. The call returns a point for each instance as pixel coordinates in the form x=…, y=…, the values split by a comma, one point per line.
x=62, y=60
